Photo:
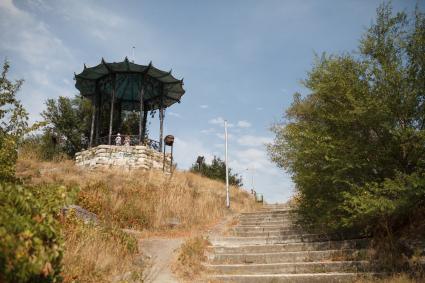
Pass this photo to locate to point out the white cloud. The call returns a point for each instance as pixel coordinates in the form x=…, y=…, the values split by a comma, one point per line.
x=249, y=140
x=40, y=57
x=243, y=124
x=259, y=108
x=220, y=121
x=174, y=114
x=208, y=131
x=216, y=121
x=204, y=106
x=187, y=150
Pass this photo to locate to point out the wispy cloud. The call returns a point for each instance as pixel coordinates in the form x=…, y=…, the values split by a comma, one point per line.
x=174, y=114
x=243, y=124
x=204, y=106
x=220, y=121
x=208, y=131
x=253, y=141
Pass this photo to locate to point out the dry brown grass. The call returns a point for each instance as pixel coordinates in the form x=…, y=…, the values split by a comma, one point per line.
x=141, y=200
x=191, y=255
x=98, y=254
x=146, y=200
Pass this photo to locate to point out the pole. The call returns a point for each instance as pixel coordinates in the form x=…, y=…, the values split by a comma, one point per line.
x=161, y=126
x=93, y=116
x=171, y=161
x=141, y=116
x=227, y=166
x=111, y=117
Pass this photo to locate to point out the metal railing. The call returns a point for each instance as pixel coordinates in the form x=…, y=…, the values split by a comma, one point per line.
x=125, y=140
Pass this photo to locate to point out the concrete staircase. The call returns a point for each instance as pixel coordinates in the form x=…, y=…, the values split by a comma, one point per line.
x=266, y=246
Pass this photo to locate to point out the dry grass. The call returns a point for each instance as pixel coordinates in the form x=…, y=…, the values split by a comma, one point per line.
x=98, y=254
x=146, y=200
x=191, y=255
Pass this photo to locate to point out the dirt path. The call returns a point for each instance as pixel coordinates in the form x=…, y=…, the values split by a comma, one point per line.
x=161, y=254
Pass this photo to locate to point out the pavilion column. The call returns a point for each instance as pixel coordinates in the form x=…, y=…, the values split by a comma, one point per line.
x=93, y=118
x=97, y=119
x=119, y=115
x=145, y=120
x=141, y=118
x=161, y=126
x=112, y=111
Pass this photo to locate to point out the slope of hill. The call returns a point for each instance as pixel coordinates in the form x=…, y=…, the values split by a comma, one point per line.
x=147, y=201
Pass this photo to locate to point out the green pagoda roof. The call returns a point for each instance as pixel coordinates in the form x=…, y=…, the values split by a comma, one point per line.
x=160, y=87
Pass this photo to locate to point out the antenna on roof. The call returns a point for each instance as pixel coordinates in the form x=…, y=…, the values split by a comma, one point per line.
x=134, y=47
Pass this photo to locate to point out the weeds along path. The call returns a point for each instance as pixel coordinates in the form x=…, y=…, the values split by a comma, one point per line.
x=162, y=253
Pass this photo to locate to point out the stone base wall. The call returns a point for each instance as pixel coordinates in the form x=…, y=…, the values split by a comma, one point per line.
x=128, y=157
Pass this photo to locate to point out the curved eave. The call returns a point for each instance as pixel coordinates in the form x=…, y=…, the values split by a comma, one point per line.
x=104, y=69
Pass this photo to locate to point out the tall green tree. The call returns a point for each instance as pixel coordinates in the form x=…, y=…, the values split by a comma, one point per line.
x=68, y=121
x=13, y=123
x=217, y=171
x=355, y=144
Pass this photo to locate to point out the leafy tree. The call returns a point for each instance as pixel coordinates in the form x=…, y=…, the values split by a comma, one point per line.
x=69, y=121
x=217, y=170
x=355, y=144
x=13, y=123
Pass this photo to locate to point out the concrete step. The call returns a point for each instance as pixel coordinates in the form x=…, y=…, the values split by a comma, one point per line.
x=290, y=267
x=268, y=212
x=283, y=222
x=262, y=240
x=246, y=229
x=267, y=218
x=282, y=232
x=281, y=257
x=332, y=277
x=292, y=247
x=268, y=225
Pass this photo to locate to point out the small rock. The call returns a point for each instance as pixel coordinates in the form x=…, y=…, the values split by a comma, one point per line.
x=85, y=215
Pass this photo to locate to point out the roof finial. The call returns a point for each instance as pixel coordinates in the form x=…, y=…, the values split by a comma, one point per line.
x=132, y=57
x=85, y=67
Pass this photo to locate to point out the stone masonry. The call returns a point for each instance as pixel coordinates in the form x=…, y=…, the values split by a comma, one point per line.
x=127, y=157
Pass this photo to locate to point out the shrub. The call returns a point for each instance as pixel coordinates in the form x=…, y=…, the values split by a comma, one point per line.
x=355, y=144
x=30, y=249
x=217, y=171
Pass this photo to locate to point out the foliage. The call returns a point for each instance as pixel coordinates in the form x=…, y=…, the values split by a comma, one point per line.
x=217, y=171
x=69, y=121
x=13, y=123
x=355, y=144
x=30, y=249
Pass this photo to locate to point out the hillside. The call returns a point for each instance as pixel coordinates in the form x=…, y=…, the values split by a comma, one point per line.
x=146, y=201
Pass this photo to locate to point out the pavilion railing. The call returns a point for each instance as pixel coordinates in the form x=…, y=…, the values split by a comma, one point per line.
x=127, y=140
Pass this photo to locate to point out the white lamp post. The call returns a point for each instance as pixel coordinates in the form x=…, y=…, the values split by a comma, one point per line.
x=227, y=166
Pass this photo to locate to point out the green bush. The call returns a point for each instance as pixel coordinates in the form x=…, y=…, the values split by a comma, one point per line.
x=30, y=246
x=355, y=144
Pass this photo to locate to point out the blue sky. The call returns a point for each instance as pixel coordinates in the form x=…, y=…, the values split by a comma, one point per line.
x=241, y=61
